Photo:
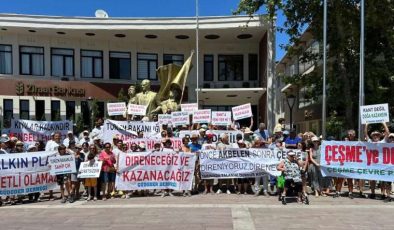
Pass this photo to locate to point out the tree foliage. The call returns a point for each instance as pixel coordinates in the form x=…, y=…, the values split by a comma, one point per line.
x=343, y=37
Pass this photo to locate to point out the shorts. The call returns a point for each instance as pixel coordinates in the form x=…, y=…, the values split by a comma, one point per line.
x=62, y=178
x=90, y=182
x=107, y=177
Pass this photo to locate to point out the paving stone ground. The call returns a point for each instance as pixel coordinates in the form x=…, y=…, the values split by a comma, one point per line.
x=201, y=212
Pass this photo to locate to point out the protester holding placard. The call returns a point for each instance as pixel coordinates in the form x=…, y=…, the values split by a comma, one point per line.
x=108, y=171
x=75, y=182
x=91, y=183
x=64, y=180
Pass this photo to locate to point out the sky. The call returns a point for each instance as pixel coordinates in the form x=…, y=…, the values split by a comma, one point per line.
x=132, y=8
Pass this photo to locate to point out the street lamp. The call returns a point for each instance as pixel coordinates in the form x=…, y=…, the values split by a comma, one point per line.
x=290, y=102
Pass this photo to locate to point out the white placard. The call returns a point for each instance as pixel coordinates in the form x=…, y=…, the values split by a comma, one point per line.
x=190, y=108
x=62, y=164
x=242, y=111
x=164, y=119
x=221, y=118
x=180, y=118
x=114, y=109
x=374, y=113
x=90, y=169
x=202, y=116
x=136, y=109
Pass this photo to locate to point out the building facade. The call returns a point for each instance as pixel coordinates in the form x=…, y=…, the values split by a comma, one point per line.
x=306, y=112
x=52, y=67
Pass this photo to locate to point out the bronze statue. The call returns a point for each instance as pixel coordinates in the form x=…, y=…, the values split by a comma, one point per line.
x=147, y=97
x=170, y=104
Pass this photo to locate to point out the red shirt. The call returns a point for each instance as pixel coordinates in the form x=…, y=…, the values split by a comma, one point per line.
x=108, y=160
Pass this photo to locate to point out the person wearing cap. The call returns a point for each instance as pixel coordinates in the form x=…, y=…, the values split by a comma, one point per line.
x=290, y=167
x=75, y=181
x=3, y=145
x=377, y=137
x=194, y=145
x=248, y=137
x=202, y=136
x=292, y=140
x=19, y=147
x=70, y=137
x=97, y=142
x=280, y=126
x=85, y=137
x=321, y=185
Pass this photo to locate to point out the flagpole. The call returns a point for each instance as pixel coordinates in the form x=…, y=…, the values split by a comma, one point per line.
x=361, y=81
x=197, y=55
x=324, y=68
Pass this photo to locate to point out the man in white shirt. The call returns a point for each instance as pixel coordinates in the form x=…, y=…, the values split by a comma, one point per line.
x=53, y=144
x=85, y=138
x=97, y=130
x=70, y=137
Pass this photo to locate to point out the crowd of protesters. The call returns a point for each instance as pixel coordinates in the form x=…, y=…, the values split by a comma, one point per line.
x=89, y=146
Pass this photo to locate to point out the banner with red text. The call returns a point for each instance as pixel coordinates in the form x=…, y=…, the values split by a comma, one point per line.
x=359, y=160
x=156, y=170
x=242, y=111
x=24, y=173
x=150, y=142
x=29, y=131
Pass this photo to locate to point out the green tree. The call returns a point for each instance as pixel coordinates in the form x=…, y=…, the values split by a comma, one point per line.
x=343, y=36
x=79, y=123
x=94, y=112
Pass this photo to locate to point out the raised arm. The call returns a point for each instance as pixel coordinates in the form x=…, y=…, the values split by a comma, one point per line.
x=386, y=131
x=251, y=123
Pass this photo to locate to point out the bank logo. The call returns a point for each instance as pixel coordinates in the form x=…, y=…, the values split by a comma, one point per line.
x=20, y=88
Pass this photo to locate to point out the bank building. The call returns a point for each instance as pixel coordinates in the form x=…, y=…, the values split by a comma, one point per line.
x=52, y=67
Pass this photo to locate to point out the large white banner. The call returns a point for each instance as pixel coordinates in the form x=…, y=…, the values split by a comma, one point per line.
x=359, y=160
x=30, y=132
x=374, y=113
x=23, y=173
x=232, y=134
x=238, y=163
x=126, y=130
x=156, y=170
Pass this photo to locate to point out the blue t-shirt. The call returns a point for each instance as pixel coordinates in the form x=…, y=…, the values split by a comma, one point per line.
x=194, y=147
x=292, y=141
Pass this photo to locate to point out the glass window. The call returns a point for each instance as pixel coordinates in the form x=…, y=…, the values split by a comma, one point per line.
x=40, y=110
x=173, y=59
x=5, y=59
x=32, y=60
x=55, y=110
x=24, y=109
x=147, y=65
x=231, y=67
x=62, y=61
x=91, y=64
x=8, y=112
x=253, y=67
x=208, y=67
x=119, y=65
x=70, y=110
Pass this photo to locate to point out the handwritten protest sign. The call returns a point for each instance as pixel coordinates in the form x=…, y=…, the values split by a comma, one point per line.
x=164, y=119
x=180, y=118
x=90, y=169
x=221, y=118
x=136, y=109
x=156, y=170
x=190, y=108
x=202, y=116
x=374, y=113
x=242, y=111
x=25, y=173
x=31, y=132
x=115, y=109
x=62, y=164
x=358, y=160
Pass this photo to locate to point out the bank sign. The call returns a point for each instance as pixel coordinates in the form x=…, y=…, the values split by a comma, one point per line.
x=34, y=90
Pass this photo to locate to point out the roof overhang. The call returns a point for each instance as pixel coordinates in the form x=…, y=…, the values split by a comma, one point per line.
x=230, y=96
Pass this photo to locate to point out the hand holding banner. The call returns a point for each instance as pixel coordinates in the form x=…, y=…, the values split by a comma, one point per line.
x=374, y=113
x=62, y=164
